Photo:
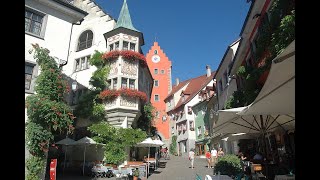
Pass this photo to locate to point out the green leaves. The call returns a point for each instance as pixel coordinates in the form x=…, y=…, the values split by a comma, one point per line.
x=96, y=59
x=228, y=165
x=46, y=110
x=116, y=140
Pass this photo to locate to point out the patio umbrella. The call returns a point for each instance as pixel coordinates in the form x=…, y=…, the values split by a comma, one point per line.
x=274, y=107
x=148, y=143
x=66, y=141
x=85, y=142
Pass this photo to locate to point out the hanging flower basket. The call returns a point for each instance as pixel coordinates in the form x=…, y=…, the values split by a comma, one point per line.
x=126, y=54
x=112, y=94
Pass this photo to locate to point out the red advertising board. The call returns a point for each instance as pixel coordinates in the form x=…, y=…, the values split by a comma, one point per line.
x=53, y=168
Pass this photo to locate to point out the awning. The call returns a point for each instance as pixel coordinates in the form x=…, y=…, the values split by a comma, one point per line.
x=277, y=95
x=273, y=108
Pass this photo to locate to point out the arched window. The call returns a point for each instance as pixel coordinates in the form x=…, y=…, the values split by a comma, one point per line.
x=155, y=51
x=85, y=40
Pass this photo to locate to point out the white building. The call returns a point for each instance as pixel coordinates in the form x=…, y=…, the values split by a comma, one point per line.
x=48, y=23
x=179, y=107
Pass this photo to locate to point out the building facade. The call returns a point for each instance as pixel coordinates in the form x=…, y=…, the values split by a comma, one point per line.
x=160, y=67
x=129, y=74
x=179, y=108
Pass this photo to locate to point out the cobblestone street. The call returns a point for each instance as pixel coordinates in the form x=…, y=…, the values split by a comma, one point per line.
x=177, y=168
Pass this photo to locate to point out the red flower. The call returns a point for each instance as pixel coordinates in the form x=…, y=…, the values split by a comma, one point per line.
x=109, y=94
x=126, y=54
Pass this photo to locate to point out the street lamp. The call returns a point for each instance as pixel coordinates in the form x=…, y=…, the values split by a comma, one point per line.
x=74, y=86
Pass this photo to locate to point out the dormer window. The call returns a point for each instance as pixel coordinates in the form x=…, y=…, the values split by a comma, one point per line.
x=183, y=98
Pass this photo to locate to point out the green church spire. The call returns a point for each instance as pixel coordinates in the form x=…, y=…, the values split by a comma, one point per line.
x=124, y=18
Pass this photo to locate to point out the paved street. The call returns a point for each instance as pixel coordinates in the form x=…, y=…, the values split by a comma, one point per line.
x=177, y=168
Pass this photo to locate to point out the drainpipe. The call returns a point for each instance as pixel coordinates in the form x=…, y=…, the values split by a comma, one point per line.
x=78, y=23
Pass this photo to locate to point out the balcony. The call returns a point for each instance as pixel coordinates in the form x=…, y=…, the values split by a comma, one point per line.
x=123, y=102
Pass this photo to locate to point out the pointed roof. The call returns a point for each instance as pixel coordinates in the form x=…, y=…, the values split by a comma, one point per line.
x=195, y=86
x=124, y=19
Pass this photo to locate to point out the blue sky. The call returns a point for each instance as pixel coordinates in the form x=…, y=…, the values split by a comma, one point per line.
x=192, y=33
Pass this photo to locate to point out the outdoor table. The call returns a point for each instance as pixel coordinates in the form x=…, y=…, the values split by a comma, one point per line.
x=284, y=177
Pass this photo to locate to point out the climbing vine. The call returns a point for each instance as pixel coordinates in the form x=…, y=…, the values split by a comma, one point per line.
x=48, y=114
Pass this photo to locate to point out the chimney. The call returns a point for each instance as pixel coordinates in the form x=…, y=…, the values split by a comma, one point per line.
x=177, y=81
x=208, y=70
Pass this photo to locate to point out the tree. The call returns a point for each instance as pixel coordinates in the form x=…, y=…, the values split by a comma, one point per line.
x=48, y=114
x=116, y=140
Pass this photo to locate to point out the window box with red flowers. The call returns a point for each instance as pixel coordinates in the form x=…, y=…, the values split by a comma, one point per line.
x=126, y=54
x=112, y=94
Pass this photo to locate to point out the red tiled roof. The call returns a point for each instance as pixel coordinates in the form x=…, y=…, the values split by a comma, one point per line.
x=195, y=85
x=176, y=88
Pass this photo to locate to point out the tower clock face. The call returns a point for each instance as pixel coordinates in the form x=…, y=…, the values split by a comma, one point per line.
x=155, y=58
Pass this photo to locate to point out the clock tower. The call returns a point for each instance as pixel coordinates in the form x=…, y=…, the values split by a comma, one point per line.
x=160, y=67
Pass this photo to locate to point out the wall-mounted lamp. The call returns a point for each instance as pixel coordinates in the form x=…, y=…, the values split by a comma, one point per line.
x=74, y=86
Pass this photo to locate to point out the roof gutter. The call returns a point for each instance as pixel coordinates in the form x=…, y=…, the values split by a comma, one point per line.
x=77, y=23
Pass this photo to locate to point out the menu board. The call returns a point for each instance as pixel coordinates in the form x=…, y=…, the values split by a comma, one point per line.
x=142, y=171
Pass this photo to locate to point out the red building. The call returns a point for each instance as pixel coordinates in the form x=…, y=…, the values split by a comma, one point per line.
x=160, y=67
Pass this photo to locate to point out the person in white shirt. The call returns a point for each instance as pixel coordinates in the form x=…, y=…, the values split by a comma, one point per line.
x=191, y=157
x=214, y=155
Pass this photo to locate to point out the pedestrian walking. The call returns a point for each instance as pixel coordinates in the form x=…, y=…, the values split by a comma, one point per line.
x=208, y=157
x=191, y=157
x=220, y=153
x=214, y=156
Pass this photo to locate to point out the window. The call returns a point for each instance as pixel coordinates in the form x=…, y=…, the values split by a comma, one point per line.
x=85, y=40
x=156, y=83
x=116, y=45
x=162, y=71
x=191, y=125
x=82, y=63
x=199, y=130
x=155, y=51
x=155, y=71
x=156, y=97
x=183, y=98
x=109, y=83
x=111, y=47
x=115, y=82
x=33, y=22
x=124, y=82
x=132, y=83
x=28, y=76
x=220, y=86
x=225, y=76
x=132, y=46
x=125, y=45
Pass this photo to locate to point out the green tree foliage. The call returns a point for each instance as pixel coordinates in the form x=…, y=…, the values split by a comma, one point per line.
x=47, y=112
x=173, y=145
x=116, y=140
x=90, y=106
x=228, y=165
x=145, y=120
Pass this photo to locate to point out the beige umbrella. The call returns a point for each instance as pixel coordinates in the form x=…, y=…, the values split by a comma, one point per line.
x=66, y=141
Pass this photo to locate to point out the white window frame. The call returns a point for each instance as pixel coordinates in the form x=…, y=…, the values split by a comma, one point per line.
x=43, y=23
x=33, y=75
x=156, y=83
x=79, y=65
x=156, y=95
x=156, y=71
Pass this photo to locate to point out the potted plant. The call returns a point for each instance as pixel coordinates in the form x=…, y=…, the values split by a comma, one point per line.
x=136, y=174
